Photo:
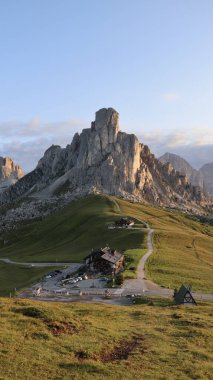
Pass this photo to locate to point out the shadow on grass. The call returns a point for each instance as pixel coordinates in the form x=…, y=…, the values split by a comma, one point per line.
x=84, y=367
x=151, y=301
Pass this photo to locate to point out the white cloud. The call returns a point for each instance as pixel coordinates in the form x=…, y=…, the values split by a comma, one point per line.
x=170, y=97
x=195, y=145
x=26, y=142
x=193, y=136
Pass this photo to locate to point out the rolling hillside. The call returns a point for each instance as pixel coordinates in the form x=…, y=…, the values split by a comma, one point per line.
x=70, y=234
x=183, y=247
x=154, y=340
x=67, y=236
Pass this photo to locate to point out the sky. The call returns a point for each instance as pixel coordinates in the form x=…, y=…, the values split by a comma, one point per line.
x=62, y=60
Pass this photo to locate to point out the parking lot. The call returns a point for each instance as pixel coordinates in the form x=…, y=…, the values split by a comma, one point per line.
x=67, y=279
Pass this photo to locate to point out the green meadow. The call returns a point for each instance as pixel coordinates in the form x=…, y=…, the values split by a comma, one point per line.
x=66, y=236
x=16, y=277
x=154, y=340
x=71, y=233
x=183, y=248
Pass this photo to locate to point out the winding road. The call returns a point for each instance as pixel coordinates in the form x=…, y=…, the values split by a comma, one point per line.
x=140, y=285
x=147, y=287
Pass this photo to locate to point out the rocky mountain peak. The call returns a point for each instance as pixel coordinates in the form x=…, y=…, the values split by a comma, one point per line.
x=207, y=172
x=106, y=117
x=10, y=172
x=202, y=177
x=105, y=159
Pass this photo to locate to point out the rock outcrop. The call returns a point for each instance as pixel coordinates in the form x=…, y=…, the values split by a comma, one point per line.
x=202, y=177
x=183, y=167
x=10, y=173
x=207, y=173
x=104, y=159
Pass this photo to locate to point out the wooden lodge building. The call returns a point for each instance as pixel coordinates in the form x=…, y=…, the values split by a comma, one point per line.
x=105, y=260
x=124, y=222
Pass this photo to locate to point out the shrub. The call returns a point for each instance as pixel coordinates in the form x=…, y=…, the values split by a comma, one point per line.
x=33, y=312
x=119, y=279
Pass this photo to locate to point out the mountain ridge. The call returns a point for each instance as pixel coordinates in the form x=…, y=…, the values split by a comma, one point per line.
x=202, y=177
x=10, y=172
x=103, y=159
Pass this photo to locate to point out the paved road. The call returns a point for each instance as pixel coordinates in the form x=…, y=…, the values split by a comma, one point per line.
x=55, y=264
x=147, y=287
x=141, y=284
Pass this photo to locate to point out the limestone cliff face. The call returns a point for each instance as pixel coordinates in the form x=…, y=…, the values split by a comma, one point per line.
x=10, y=173
x=101, y=157
x=104, y=159
x=183, y=167
x=202, y=178
x=207, y=173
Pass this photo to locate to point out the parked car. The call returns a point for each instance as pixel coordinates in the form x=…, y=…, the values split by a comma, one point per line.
x=52, y=274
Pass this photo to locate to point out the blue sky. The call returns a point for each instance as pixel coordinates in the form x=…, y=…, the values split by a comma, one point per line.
x=61, y=60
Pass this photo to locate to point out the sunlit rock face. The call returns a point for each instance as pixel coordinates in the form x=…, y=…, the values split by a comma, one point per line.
x=104, y=159
x=10, y=173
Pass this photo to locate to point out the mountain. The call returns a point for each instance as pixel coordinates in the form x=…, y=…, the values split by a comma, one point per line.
x=183, y=167
x=202, y=177
x=104, y=159
x=10, y=173
x=207, y=173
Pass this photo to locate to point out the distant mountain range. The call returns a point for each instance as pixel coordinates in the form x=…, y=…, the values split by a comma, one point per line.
x=10, y=173
x=202, y=177
x=102, y=159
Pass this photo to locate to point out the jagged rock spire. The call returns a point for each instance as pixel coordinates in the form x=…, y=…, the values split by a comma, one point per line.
x=106, y=117
x=9, y=172
x=104, y=159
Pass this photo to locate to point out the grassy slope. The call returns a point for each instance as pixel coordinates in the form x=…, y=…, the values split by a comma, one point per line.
x=132, y=258
x=16, y=277
x=175, y=342
x=69, y=235
x=183, y=248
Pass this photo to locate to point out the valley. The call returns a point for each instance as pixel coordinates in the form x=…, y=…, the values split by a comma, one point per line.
x=182, y=247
